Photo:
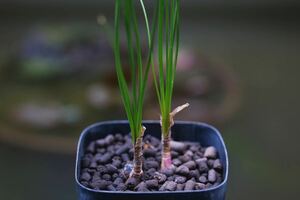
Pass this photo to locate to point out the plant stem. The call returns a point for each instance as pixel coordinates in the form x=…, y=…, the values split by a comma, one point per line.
x=166, y=125
x=138, y=155
x=133, y=95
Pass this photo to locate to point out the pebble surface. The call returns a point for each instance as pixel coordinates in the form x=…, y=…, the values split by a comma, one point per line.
x=107, y=163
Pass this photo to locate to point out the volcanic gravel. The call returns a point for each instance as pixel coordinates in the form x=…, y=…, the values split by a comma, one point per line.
x=107, y=163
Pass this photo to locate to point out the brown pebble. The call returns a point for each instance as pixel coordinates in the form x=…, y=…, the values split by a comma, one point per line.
x=109, y=139
x=99, y=184
x=194, y=148
x=199, y=186
x=180, y=179
x=151, y=164
x=119, y=137
x=202, y=165
x=96, y=177
x=85, y=176
x=188, y=153
x=210, y=152
x=104, y=159
x=217, y=165
x=180, y=187
x=141, y=187
x=210, y=163
x=161, y=178
x=106, y=177
x=196, y=157
x=121, y=187
x=101, y=150
x=149, y=174
x=101, y=143
x=201, y=160
x=193, y=179
x=184, y=158
x=123, y=149
x=171, y=178
x=117, y=163
x=194, y=173
x=132, y=182
x=155, y=142
x=111, y=169
x=102, y=169
x=125, y=157
x=152, y=184
x=171, y=186
x=93, y=165
x=91, y=171
x=150, y=159
x=176, y=162
x=182, y=170
x=212, y=176
x=110, y=149
x=162, y=187
x=111, y=188
x=190, y=164
x=208, y=185
x=167, y=171
x=114, y=176
x=97, y=157
x=178, y=146
x=202, y=179
x=117, y=181
x=189, y=185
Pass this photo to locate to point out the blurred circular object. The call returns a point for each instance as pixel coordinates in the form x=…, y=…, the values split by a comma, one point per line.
x=46, y=114
x=60, y=50
x=101, y=96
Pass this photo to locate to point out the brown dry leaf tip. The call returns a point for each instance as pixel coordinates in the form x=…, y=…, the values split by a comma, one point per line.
x=174, y=112
x=143, y=131
x=177, y=110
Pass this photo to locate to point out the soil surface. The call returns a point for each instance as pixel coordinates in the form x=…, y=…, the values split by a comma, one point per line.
x=107, y=164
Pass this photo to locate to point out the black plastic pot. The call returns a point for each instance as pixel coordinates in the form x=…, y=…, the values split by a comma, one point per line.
x=205, y=134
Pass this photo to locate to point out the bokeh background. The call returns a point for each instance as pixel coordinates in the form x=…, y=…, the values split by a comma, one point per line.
x=239, y=68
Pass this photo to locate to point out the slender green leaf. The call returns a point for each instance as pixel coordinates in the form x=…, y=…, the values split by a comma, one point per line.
x=133, y=97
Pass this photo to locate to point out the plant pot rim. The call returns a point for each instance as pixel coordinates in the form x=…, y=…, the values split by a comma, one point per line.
x=112, y=122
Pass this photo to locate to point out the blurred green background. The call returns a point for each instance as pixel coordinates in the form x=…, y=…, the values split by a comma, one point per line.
x=239, y=69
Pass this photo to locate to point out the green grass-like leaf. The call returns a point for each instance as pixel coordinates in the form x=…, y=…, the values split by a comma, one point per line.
x=133, y=96
x=168, y=44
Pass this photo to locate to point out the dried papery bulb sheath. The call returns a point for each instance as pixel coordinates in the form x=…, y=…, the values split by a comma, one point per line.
x=166, y=160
